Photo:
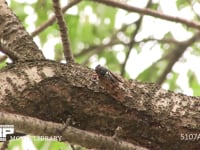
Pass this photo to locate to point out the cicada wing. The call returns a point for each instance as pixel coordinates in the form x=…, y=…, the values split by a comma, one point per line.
x=115, y=77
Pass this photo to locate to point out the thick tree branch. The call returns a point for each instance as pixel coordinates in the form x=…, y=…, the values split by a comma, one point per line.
x=14, y=39
x=147, y=114
x=150, y=12
x=38, y=127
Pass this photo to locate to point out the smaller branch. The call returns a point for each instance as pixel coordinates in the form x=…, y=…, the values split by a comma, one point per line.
x=132, y=40
x=11, y=55
x=53, y=19
x=38, y=127
x=99, y=47
x=167, y=40
x=96, y=48
x=149, y=12
x=174, y=56
x=63, y=31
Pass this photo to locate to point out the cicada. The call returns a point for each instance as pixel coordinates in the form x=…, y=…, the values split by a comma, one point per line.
x=103, y=72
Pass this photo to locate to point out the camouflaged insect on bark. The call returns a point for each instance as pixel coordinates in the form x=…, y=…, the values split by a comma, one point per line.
x=114, y=85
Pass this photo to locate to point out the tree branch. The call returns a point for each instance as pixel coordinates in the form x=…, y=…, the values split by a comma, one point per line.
x=63, y=31
x=164, y=40
x=96, y=48
x=11, y=55
x=148, y=115
x=150, y=12
x=53, y=19
x=38, y=127
x=132, y=40
x=174, y=56
x=14, y=39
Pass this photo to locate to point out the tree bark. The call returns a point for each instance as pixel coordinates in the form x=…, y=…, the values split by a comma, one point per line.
x=151, y=117
x=14, y=38
x=148, y=115
x=61, y=132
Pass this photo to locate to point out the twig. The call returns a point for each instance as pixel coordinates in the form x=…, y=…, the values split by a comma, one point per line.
x=149, y=12
x=132, y=41
x=63, y=31
x=167, y=40
x=99, y=47
x=96, y=48
x=38, y=127
x=8, y=53
x=174, y=56
x=53, y=19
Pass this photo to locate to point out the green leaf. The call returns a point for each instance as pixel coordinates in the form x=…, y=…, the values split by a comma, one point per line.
x=172, y=81
x=154, y=6
x=58, y=56
x=15, y=144
x=3, y=64
x=111, y=59
x=42, y=9
x=193, y=83
x=153, y=72
x=72, y=22
x=148, y=74
x=181, y=4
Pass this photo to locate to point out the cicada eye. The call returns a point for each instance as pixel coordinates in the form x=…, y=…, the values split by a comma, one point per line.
x=101, y=70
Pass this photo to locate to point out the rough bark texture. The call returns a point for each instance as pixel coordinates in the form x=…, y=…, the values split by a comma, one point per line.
x=14, y=38
x=37, y=127
x=154, y=118
x=148, y=115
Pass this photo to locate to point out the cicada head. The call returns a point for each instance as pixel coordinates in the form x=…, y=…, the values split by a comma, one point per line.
x=101, y=70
